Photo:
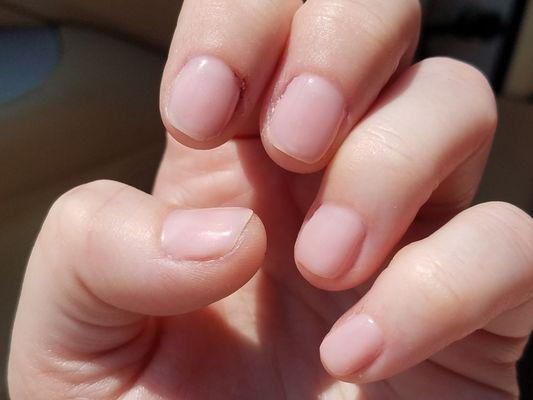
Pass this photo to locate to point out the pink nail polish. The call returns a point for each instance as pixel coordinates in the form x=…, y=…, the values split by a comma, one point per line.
x=329, y=242
x=203, y=98
x=305, y=121
x=352, y=346
x=203, y=234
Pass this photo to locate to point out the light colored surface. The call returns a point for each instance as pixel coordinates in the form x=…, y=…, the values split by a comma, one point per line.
x=339, y=230
x=306, y=119
x=203, y=98
x=203, y=234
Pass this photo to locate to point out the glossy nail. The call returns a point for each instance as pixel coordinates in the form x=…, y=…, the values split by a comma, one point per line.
x=329, y=242
x=352, y=346
x=203, y=98
x=203, y=234
x=306, y=119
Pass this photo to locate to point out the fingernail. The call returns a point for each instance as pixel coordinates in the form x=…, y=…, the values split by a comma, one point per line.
x=329, y=242
x=352, y=346
x=203, y=98
x=203, y=234
x=305, y=121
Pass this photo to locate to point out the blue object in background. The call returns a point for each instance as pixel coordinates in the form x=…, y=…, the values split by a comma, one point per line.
x=27, y=57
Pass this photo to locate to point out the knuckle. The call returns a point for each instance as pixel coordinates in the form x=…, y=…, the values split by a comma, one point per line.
x=68, y=210
x=451, y=67
x=465, y=79
x=369, y=20
x=383, y=138
x=264, y=13
x=382, y=143
x=507, y=210
x=433, y=287
x=72, y=214
x=510, y=223
x=374, y=28
x=264, y=20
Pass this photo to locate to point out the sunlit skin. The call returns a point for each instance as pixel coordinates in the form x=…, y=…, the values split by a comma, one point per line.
x=276, y=322
x=106, y=312
x=262, y=341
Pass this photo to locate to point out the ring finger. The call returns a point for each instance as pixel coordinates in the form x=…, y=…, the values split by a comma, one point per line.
x=424, y=144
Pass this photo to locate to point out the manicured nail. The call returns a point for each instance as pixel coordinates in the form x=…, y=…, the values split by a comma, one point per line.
x=305, y=121
x=203, y=234
x=203, y=98
x=329, y=242
x=352, y=346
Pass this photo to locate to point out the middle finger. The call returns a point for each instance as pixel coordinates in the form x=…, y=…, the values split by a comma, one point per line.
x=436, y=120
x=339, y=56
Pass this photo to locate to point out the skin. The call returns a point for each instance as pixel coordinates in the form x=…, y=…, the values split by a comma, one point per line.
x=106, y=313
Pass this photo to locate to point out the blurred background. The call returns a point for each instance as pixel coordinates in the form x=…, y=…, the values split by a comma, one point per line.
x=79, y=83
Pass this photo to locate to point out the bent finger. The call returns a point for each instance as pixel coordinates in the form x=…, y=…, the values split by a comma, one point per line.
x=339, y=56
x=222, y=55
x=424, y=300
x=109, y=255
x=428, y=131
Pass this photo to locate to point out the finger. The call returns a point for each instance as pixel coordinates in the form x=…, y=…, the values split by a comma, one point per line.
x=109, y=254
x=339, y=57
x=485, y=358
x=430, y=380
x=222, y=55
x=433, y=126
x=513, y=323
x=435, y=292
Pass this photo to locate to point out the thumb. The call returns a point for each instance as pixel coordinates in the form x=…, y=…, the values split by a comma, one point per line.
x=109, y=255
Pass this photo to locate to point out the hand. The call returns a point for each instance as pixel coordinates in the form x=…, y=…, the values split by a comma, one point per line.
x=169, y=296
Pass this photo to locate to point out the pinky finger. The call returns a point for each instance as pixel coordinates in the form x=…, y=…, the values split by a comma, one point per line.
x=466, y=276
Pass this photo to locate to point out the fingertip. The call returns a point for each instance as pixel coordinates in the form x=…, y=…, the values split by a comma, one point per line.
x=289, y=162
x=253, y=244
x=329, y=246
x=351, y=347
x=201, y=101
x=218, y=250
x=221, y=58
x=204, y=234
x=301, y=126
x=330, y=240
x=167, y=261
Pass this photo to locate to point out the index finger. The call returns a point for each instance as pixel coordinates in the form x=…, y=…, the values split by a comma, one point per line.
x=221, y=58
